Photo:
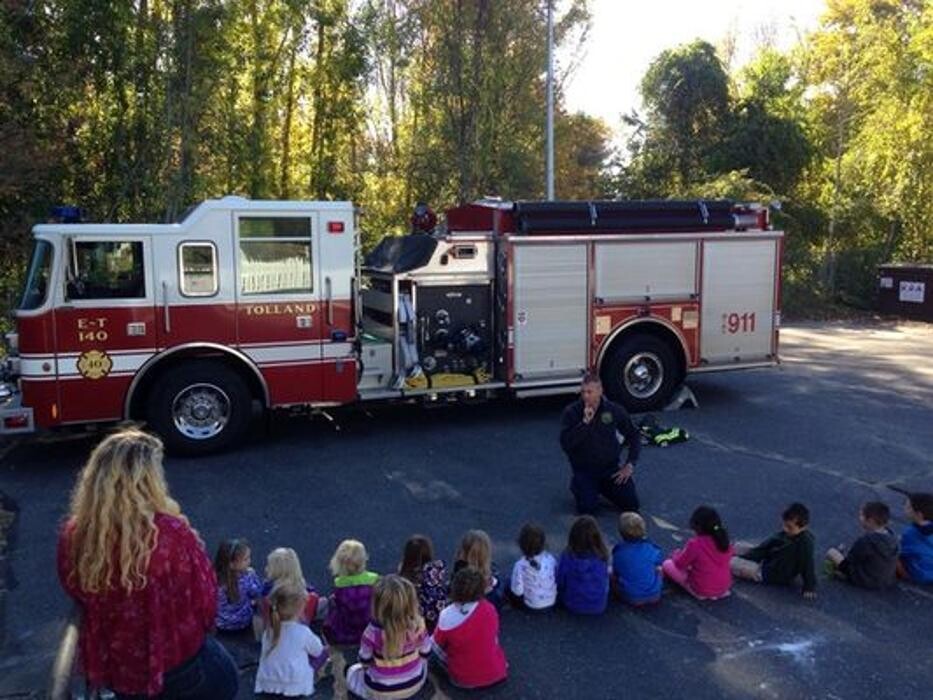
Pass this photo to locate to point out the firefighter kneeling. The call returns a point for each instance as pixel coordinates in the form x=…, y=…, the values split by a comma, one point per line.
x=589, y=435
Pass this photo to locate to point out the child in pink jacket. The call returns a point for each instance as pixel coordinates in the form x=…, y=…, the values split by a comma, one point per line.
x=702, y=566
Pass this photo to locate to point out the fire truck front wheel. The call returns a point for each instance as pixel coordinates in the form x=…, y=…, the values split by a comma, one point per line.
x=200, y=407
x=640, y=373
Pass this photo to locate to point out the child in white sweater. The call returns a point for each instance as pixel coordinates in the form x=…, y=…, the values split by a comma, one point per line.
x=533, y=585
x=288, y=647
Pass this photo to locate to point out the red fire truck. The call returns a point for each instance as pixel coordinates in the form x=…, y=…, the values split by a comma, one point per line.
x=193, y=326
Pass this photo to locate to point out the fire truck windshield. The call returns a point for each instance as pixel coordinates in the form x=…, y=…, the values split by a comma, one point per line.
x=37, y=280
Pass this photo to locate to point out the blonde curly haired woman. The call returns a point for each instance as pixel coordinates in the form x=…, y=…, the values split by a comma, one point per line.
x=144, y=583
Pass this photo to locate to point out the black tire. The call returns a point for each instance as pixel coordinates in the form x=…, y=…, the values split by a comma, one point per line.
x=206, y=383
x=652, y=352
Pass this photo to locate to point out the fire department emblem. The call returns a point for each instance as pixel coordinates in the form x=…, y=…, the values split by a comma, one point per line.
x=94, y=364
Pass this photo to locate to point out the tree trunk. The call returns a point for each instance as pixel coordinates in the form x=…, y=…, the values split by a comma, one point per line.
x=257, y=159
x=284, y=175
x=317, y=123
x=188, y=136
x=829, y=259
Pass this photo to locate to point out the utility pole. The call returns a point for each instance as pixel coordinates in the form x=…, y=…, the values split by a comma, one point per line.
x=550, y=100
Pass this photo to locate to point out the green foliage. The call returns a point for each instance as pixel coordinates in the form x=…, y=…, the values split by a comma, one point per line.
x=686, y=93
x=134, y=110
x=837, y=130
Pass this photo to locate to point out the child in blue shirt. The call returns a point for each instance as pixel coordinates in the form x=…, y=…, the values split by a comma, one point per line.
x=583, y=570
x=916, y=560
x=636, y=563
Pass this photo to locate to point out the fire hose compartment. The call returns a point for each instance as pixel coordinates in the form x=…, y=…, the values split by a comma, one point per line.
x=455, y=340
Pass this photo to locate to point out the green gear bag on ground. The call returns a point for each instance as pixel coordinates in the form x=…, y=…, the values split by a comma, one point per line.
x=660, y=436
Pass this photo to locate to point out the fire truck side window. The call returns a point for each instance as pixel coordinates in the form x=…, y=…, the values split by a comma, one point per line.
x=275, y=255
x=197, y=267
x=108, y=270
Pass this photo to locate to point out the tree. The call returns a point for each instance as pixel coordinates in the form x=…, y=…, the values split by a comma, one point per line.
x=870, y=113
x=581, y=154
x=686, y=95
x=764, y=134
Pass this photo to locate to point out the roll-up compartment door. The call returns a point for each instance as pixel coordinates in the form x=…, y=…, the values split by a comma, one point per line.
x=550, y=310
x=646, y=271
x=738, y=298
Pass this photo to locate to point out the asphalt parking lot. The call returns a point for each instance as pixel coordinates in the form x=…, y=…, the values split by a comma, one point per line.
x=848, y=417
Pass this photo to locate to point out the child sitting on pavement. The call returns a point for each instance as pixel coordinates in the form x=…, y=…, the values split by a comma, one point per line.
x=283, y=566
x=238, y=586
x=428, y=575
x=476, y=550
x=783, y=557
x=395, y=645
x=348, y=608
x=636, y=563
x=583, y=570
x=284, y=569
x=290, y=650
x=466, y=641
x=702, y=567
x=871, y=562
x=916, y=561
x=533, y=585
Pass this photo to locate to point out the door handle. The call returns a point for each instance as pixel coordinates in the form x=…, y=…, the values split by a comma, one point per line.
x=166, y=314
x=328, y=292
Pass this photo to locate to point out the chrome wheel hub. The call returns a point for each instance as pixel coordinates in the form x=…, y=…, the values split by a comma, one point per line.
x=643, y=375
x=201, y=411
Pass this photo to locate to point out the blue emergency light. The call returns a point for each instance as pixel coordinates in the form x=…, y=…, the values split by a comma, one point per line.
x=67, y=214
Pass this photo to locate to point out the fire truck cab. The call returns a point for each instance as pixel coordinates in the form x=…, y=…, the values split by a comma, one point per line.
x=245, y=306
x=187, y=325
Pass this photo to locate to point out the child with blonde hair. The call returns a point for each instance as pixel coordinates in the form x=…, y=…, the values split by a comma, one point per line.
x=283, y=567
x=476, y=550
x=348, y=609
x=289, y=648
x=395, y=645
x=636, y=563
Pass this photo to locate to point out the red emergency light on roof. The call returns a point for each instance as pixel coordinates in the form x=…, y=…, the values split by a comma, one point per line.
x=335, y=227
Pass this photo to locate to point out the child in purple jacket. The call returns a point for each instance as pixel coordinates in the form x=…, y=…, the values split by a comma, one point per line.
x=349, y=610
x=238, y=586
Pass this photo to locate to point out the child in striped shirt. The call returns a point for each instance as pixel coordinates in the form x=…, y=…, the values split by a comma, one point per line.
x=395, y=645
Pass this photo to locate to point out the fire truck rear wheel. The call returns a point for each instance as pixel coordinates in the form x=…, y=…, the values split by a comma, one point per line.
x=640, y=373
x=199, y=408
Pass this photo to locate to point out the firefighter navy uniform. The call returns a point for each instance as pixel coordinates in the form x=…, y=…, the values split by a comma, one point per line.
x=594, y=449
